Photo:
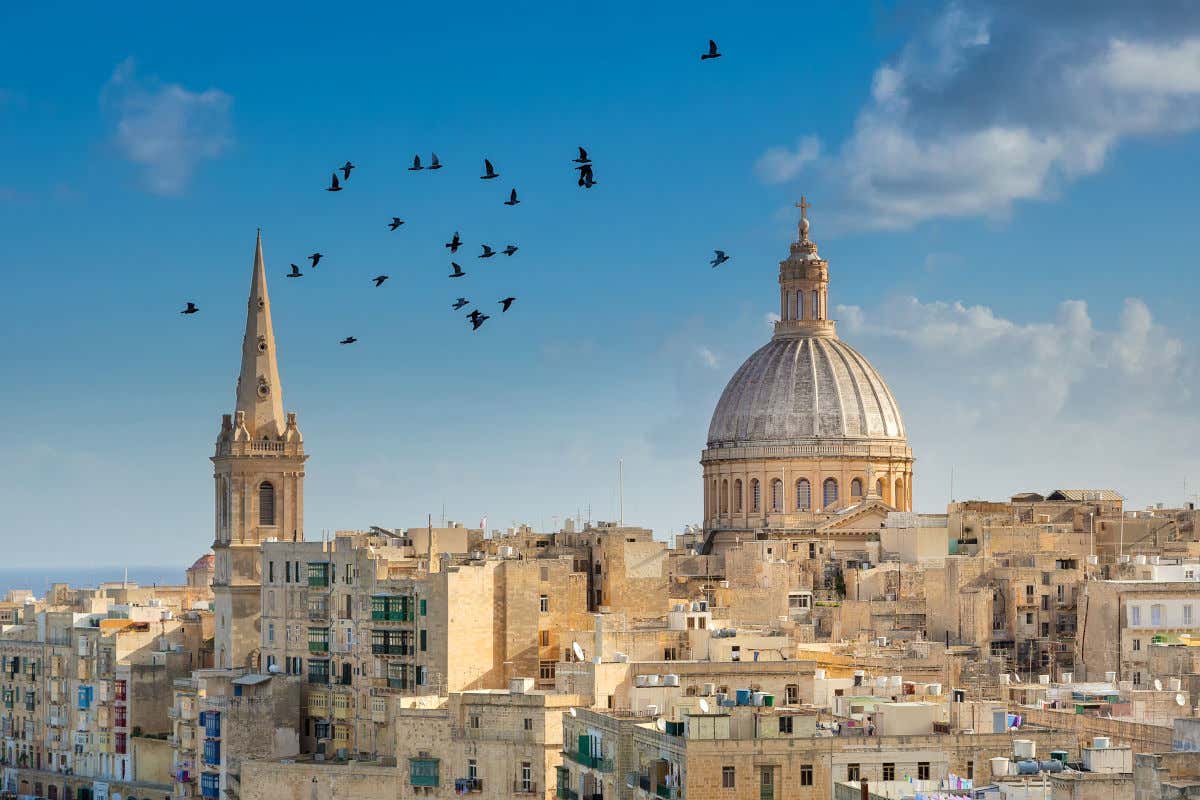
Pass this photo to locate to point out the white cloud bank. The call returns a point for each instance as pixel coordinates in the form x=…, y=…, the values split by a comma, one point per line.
x=990, y=103
x=166, y=129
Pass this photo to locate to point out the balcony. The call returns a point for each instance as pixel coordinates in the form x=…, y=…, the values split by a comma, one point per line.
x=591, y=761
x=464, y=785
x=318, y=647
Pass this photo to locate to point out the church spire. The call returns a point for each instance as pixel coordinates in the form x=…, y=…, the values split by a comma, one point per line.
x=259, y=392
x=804, y=286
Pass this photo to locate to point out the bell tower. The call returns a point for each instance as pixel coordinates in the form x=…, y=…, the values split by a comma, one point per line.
x=804, y=287
x=258, y=469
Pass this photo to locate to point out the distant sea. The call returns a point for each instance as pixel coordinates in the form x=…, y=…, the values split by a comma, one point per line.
x=38, y=578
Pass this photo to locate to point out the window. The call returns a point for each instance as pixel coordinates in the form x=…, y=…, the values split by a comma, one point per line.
x=785, y=724
x=1135, y=615
x=1029, y=590
x=755, y=495
x=899, y=493
x=529, y=723
x=1156, y=615
x=800, y=304
x=971, y=770
x=806, y=773
x=1029, y=618
x=737, y=496
x=879, y=488
x=1137, y=644
x=424, y=640
x=266, y=503
x=270, y=631
x=777, y=495
x=1187, y=614
x=829, y=492
x=475, y=721
x=287, y=565
x=472, y=769
x=318, y=671
x=803, y=495
x=889, y=771
x=669, y=654
x=1137, y=678
x=856, y=488
x=922, y=770
x=728, y=778
x=422, y=675
x=546, y=670
x=544, y=603
x=816, y=305
x=724, y=496
x=544, y=638
x=271, y=571
x=1045, y=630
x=791, y=694
x=852, y=772
x=1045, y=602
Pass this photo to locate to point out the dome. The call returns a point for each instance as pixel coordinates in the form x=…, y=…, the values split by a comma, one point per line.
x=204, y=562
x=797, y=389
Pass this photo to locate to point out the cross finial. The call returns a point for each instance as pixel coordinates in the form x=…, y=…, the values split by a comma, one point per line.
x=804, y=206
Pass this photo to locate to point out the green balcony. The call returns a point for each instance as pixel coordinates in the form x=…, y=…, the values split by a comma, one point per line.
x=423, y=771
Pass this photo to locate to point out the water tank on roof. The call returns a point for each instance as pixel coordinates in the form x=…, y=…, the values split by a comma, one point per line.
x=1101, y=742
x=1027, y=768
x=756, y=698
x=743, y=697
x=639, y=680
x=1024, y=749
x=999, y=766
x=670, y=680
x=652, y=680
x=1050, y=766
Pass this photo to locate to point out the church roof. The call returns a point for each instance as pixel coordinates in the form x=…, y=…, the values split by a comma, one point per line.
x=259, y=392
x=206, y=561
x=794, y=390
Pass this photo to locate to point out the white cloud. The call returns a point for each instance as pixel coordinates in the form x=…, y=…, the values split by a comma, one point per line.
x=779, y=164
x=991, y=103
x=164, y=128
x=708, y=358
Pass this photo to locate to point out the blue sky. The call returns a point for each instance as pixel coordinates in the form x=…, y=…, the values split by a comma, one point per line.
x=1004, y=193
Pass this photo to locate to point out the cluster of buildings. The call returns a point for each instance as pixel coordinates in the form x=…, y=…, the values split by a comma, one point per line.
x=813, y=638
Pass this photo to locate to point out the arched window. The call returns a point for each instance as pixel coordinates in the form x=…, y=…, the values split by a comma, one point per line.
x=755, y=496
x=898, y=500
x=725, y=497
x=266, y=503
x=777, y=495
x=737, y=496
x=816, y=305
x=829, y=492
x=803, y=495
x=856, y=488
x=791, y=308
x=800, y=304
x=879, y=488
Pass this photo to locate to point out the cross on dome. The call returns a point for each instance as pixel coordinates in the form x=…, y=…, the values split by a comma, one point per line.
x=803, y=205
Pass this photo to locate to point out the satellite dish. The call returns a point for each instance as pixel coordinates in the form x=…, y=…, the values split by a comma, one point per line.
x=1157, y=685
x=703, y=706
x=571, y=711
x=577, y=650
x=661, y=724
x=1180, y=699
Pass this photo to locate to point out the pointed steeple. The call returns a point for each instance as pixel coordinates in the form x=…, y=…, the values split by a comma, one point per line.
x=259, y=392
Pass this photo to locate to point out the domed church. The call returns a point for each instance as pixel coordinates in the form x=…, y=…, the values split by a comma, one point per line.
x=807, y=430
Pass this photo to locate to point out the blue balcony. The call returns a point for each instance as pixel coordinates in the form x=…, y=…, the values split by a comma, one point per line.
x=210, y=786
x=212, y=724
x=212, y=753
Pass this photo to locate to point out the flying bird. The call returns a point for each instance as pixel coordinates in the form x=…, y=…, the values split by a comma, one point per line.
x=476, y=322
x=416, y=164
x=458, y=271
x=191, y=308
x=346, y=168
x=508, y=251
x=489, y=173
x=334, y=186
x=379, y=279
x=506, y=302
x=295, y=273
x=475, y=313
x=454, y=243
x=583, y=157
x=459, y=303
x=348, y=340
x=712, y=51
x=395, y=223
x=314, y=258
x=512, y=198
x=719, y=259
x=487, y=252
x=434, y=163
x=586, y=179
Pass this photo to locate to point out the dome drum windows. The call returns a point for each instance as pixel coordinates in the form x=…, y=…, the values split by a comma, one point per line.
x=829, y=493
x=856, y=487
x=755, y=495
x=803, y=495
x=777, y=495
x=737, y=496
x=725, y=497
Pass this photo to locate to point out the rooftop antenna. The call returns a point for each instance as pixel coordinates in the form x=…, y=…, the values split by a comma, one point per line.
x=620, y=493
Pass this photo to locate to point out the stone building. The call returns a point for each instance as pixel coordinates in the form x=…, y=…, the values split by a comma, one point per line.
x=806, y=426
x=1120, y=619
x=258, y=471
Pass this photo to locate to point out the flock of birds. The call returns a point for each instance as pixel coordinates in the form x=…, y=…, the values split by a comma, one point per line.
x=586, y=180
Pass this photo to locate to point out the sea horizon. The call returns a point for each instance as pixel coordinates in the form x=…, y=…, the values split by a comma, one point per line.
x=38, y=577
